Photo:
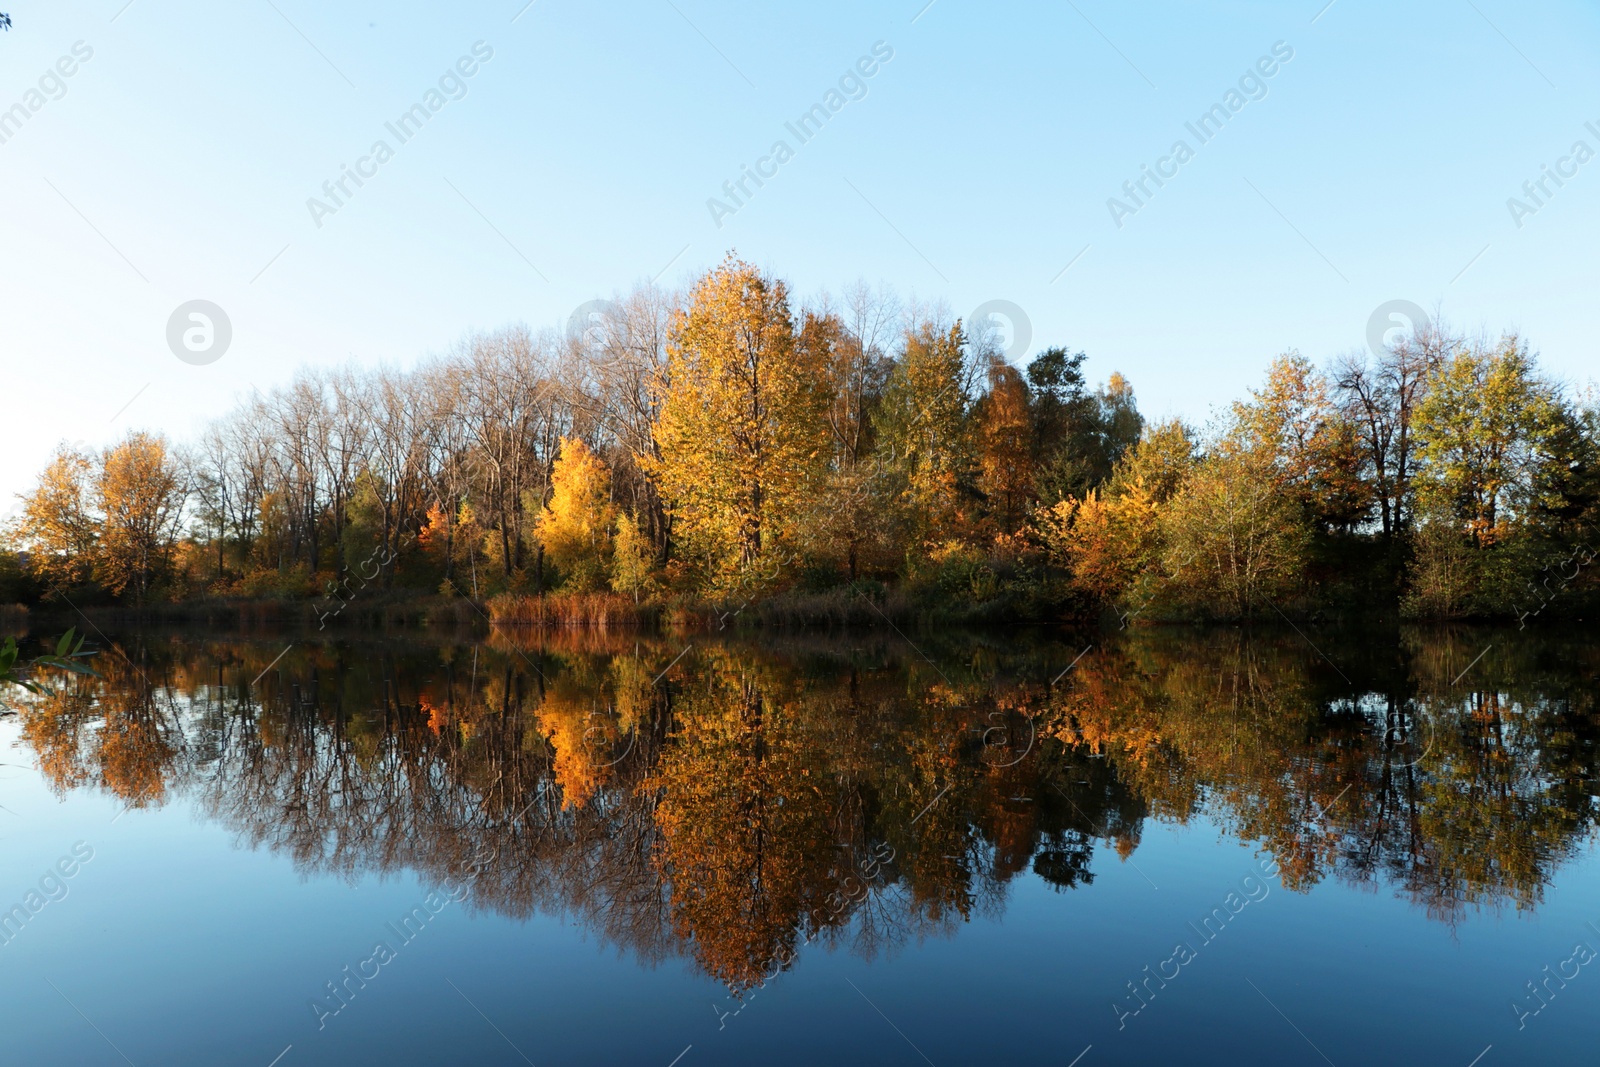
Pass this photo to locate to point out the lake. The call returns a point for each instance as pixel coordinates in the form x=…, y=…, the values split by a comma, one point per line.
x=1349, y=846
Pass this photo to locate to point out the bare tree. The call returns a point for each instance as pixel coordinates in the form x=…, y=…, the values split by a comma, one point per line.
x=1381, y=396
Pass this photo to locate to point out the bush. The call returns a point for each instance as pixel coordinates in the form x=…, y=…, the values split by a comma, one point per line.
x=287, y=584
x=597, y=610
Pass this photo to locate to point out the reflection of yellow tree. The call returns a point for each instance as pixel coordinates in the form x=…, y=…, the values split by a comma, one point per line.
x=135, y=754
x=116, y=730
x=53, y=725
x=1493, y=791
x=743, y=819
x=936, y=842
x=573, y=720
x=590, y=714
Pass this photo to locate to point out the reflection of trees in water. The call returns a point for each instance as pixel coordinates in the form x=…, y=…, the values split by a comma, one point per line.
x=1460, y=793
x=734, y=804
x=124, y=734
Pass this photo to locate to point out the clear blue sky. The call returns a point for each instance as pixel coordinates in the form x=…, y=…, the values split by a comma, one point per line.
x=178, y=160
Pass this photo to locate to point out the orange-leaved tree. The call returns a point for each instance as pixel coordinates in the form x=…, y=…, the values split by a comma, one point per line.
x=1309, y=441
x=58, y=521
x=141, y=496
x=1005, y=438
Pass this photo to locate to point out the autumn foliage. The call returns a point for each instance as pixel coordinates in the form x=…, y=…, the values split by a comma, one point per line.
x=694, y=454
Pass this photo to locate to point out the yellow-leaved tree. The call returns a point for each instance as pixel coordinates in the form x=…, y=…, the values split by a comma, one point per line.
x=1110, y=541
x=1104, y=540
x=1234, y=542
x=141, y=499
x=58, y=523
x=740, y=428
x=1484, y=433
x=925, y=435
x=575, y=527
x=630, y=559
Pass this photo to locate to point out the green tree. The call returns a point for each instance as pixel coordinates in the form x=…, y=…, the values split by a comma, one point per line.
x=1566, y=489
x=630, y=559
x=1064, y=420
x=1079, y=434
x=1485, y=436
x=1120, y=421
x=925, y=435
x=1233, y=541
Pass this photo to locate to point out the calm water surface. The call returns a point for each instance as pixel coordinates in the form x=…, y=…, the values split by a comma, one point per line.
x=947, y=849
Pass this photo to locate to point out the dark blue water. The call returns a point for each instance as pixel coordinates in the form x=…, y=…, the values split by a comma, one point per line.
x=234, y=848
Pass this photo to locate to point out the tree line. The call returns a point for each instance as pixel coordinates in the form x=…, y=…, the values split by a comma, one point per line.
x=729, y=443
